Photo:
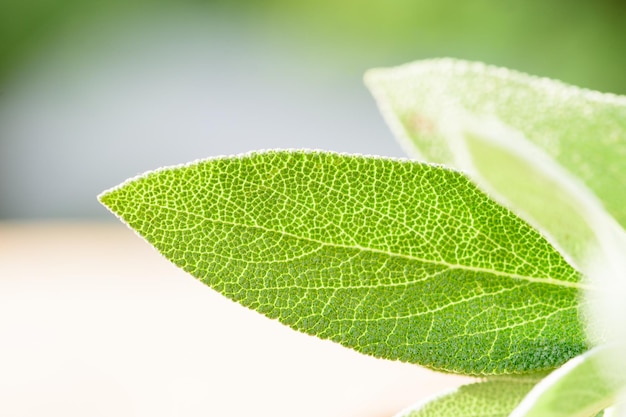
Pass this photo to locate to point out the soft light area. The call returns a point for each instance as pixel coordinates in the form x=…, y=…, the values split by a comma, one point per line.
x=94, y=322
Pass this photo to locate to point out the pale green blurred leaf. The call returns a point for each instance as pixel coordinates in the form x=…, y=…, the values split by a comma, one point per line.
x=582, y=387
x=529, y=141
x=396, y=259
x=491, y=398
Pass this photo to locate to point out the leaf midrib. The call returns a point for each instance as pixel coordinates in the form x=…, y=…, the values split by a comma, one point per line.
x=549, y=281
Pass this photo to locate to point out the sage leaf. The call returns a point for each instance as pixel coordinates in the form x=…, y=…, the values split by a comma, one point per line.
x=491, y=398
x=393, y=258
x=537, y=145
x=582, y=387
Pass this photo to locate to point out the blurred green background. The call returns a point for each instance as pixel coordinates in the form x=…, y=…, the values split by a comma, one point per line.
x=93, y=92
x=580, y=42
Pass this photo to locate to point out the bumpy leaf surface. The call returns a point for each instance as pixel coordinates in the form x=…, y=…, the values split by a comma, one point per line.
x=529, y=141
x=491, y=398
x=582, y=387
x=396, y=259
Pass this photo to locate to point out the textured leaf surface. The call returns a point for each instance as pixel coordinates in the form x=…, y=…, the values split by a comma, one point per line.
x=492, y=398
x=582, y=387
x=529, y=141
x=396, y=259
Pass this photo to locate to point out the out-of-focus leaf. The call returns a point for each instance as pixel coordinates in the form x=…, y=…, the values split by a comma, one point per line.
x=493, y=398
x=531, y=142
x=582, y=387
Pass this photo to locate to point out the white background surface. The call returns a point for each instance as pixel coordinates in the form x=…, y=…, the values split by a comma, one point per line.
x=94, y=322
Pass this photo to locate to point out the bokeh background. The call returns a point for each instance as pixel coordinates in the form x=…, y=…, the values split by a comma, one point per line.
x=92, y=321
x=93, y=92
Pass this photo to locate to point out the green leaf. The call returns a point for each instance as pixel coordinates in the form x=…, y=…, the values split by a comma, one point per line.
x=396, y=259
x=582, y=387
x=530, y=142
x=495, y=397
